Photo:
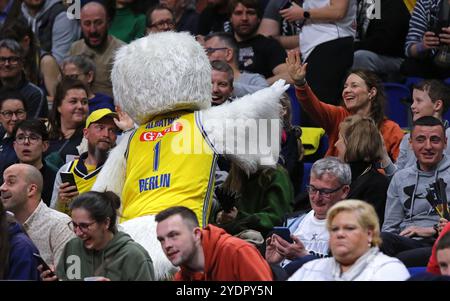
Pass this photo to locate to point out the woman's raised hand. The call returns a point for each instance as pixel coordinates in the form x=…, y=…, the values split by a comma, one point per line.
x=296, y=70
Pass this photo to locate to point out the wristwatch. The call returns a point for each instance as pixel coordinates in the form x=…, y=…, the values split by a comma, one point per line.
x=306, y=14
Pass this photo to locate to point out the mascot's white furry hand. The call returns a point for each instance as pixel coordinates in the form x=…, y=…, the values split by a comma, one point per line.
x=248, y=129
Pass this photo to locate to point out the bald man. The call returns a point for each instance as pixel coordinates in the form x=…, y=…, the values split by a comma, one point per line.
x=47, y=228
x=97, y=44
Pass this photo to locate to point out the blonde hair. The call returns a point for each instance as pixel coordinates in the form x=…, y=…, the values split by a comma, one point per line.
x=365, y=215
x=362, y=139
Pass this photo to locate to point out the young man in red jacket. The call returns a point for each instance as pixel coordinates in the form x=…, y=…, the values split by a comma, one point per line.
x=209, y=253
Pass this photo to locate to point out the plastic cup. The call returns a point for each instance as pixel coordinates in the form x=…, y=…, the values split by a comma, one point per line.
x=94, y=278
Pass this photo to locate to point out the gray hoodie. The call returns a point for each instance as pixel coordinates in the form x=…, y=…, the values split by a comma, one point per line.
x=406, y=204
x=64, y=31
x=406, y=157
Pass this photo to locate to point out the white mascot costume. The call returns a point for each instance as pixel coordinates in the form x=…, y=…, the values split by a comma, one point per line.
x=163, y=81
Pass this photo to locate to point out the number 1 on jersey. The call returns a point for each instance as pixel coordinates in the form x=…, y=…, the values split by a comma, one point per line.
x=156, y=155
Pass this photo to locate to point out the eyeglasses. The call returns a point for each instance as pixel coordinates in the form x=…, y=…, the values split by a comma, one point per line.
x=82, y=226
x=19, y=114
x=163, y=24
x=323, y=192
x=13, y=60
x=210, y=50
x=32, y=139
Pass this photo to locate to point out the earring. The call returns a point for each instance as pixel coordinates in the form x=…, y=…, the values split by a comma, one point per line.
x=369, y=243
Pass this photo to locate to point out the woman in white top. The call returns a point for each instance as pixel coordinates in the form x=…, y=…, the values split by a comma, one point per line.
x=354, y=240
x=327, y=30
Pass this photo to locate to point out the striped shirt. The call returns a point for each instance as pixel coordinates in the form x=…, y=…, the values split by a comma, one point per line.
x=424, y=16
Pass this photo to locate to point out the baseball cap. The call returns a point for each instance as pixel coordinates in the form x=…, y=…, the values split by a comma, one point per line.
x=99, y=114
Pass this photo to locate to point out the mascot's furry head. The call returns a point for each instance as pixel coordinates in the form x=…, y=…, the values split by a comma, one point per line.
x=184, y=67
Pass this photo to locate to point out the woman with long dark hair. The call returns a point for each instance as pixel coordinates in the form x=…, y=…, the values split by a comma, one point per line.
x=363, y=94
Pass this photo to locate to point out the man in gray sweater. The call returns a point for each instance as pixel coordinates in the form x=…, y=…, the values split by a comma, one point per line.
x=409, y=228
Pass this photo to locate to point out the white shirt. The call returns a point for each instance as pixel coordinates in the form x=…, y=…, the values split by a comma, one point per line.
x=313, y=233
x=372, y=266
x=315, y=33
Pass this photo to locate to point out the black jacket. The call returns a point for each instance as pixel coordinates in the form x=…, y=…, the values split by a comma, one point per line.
x=386, y=36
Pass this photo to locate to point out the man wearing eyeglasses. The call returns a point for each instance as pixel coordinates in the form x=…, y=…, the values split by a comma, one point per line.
x=186, y=17
x=329, y=183
x=222, y=46
x=30, y=142
x=47, y=228
x=12, y=78
x=101, y=134
x=160, y=19
x=12, y=110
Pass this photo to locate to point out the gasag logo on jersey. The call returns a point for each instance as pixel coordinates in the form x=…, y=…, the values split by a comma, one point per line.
x=153, y=135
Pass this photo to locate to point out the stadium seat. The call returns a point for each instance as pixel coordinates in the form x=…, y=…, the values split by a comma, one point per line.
x=416, y=270
x=306, y=174
x=410, y=81
x=398, y=109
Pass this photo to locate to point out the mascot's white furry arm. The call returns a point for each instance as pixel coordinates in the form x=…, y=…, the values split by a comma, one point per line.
x=163, y=81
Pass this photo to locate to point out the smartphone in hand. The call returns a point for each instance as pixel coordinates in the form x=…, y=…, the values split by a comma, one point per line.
x=68, y=177
x=45, y=266
x=284, y=233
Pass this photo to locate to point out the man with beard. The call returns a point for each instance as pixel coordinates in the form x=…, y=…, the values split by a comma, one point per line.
x=101, y=134
x=49, y=21
x=47, y=228
x=257, y=53
x=97, y=44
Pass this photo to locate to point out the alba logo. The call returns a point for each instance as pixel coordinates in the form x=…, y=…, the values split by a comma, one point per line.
x=153, y=135
x=373, y=9
x=73, y=10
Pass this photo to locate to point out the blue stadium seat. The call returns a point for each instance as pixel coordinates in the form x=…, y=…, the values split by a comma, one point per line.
x=295, y=106
x=306, y=174
x=416, y=270
x=397, y=107
x=447, y=115
x=410, y=81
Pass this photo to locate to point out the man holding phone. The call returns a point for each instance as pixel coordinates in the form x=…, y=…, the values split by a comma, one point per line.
x=101, y=134
x=329, y=183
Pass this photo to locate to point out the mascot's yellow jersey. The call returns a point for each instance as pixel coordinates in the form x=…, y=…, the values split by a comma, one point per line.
x=170, y=162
